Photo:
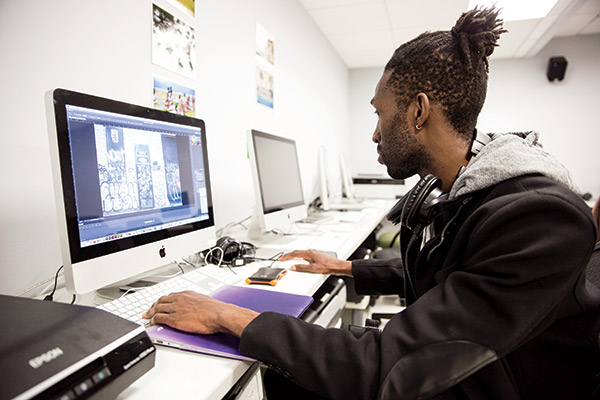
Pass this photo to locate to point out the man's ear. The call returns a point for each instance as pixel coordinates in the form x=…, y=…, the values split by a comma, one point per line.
x=420, y=110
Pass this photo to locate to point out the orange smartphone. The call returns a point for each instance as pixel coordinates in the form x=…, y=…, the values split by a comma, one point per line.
x=266, y=276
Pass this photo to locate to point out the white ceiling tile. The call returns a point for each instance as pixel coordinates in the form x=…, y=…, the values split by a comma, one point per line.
x=366, y=32
x=576, y=24
x=403, y=35
x=314, y=4
x=589, y=7
x=363, y=42
x=563, y=6
x=593, y=27
x=510, y=42
x=351, y=19
x=426, y=13
x=360, y=50
x=542, y=26
x=526, y=45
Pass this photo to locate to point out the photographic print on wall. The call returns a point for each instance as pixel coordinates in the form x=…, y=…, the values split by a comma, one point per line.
x=173, y=97
x=173, y=43
x=187, y=6
x=265, y=66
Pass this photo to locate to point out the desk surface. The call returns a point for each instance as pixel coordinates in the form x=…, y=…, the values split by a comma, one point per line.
x=185, y=374
x=348, y=229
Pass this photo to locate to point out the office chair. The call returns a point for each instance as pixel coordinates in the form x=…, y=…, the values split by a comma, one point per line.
x=388, y=245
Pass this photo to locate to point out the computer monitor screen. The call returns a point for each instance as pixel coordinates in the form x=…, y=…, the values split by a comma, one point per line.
x=133, y=187
x=323, y=179
x=347, y=184
x=331, y=200
x=277, y=182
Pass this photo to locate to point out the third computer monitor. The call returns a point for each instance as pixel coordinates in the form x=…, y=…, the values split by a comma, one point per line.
x=277, y=183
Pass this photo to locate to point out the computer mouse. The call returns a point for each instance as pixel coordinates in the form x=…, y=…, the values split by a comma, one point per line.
x=288, y=263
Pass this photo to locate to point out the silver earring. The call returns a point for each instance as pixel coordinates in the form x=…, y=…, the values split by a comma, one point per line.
x=418, y=127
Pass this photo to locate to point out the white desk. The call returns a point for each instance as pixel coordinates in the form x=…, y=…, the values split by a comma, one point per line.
x=352, y=232
x=181, y=374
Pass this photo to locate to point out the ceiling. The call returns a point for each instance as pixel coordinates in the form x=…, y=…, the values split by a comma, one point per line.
x=365, y=33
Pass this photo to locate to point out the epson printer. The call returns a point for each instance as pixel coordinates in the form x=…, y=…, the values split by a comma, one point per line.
x=59, y=351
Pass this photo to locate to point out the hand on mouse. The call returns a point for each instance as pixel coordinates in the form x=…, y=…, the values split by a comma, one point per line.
x=318, y=263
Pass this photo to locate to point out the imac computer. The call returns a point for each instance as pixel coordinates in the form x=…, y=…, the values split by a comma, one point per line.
x=132, y=188
x=347, y=184
x=323, y=179
x=329, y=202
x=277, y=184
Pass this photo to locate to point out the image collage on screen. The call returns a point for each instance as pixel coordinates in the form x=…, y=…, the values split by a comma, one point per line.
x=137, y=170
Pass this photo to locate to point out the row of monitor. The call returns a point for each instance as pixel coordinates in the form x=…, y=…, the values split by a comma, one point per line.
x=133, y=187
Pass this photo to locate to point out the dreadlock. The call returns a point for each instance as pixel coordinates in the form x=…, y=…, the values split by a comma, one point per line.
x=451, y=67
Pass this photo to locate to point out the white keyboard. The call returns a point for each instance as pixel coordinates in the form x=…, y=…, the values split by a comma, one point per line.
x=203, y=280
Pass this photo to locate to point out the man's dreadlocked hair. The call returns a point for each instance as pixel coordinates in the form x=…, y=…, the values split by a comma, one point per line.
x=450, y=67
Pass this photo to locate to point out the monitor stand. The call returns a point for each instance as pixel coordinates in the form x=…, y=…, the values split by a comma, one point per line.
x=255, y=230
x=138, y=282
x=261, y=236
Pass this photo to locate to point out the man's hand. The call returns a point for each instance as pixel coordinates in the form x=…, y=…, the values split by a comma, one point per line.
x=193, y=312
x=318, y=263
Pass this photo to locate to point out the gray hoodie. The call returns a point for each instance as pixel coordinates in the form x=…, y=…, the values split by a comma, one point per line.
x=506, y=156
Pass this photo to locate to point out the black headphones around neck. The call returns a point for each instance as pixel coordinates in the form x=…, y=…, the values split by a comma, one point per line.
x=418, y=208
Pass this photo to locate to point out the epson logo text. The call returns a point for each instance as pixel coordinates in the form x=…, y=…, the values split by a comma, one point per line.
x=45, y=357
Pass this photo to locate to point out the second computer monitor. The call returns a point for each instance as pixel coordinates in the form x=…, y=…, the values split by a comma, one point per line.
x=277, y=183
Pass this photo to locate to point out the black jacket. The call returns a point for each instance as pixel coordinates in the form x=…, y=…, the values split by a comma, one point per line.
x=498, y=309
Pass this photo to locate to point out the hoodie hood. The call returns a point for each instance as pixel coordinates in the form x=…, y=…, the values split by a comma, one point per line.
x=506, y=156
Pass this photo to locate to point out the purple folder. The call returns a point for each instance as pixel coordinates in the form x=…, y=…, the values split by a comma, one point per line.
x=223, y=344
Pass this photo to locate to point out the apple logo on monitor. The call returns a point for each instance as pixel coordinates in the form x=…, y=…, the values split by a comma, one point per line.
x=162, y=252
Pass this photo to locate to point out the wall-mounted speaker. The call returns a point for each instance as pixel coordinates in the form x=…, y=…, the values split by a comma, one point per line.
x=557, y=67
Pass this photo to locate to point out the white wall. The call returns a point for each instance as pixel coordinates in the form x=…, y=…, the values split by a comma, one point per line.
x=520, y=97
x=363, y=152
x=104, y=48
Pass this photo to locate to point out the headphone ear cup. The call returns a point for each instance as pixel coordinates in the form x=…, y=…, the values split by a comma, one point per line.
x=222, y=240
x=395, y=214
x=248, y=250
x=404, y=210
x=230, y=250
x=416, y=213
x=413, y=200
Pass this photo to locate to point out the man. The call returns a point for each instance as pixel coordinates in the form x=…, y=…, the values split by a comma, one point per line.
x=498, y=306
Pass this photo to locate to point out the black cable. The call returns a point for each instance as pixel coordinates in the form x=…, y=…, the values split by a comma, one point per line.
x=187, y=262
x=229, y=266
x=273, y=259
x=263, y=259
x=51, y=295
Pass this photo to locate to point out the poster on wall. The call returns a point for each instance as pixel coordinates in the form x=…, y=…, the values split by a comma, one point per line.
x=173, y=97
x=173, y=43
x=264, y=86
x=187, y=6
x=265, y=66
